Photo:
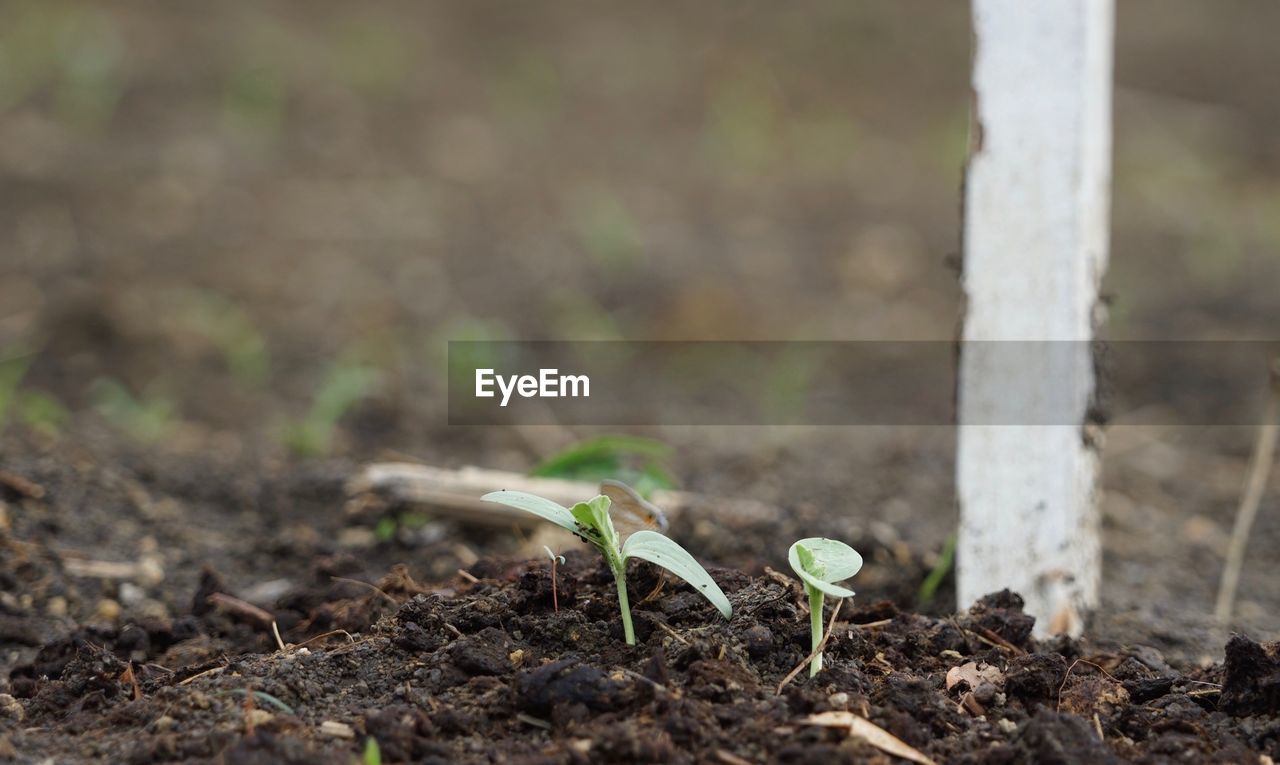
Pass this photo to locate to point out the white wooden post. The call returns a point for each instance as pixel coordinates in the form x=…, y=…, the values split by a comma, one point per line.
x=1035, y=247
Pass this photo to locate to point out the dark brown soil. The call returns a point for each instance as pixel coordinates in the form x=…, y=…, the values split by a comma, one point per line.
x=446, y=669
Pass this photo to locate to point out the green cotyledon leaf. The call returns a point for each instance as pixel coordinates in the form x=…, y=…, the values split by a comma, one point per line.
x=821, y=562
x=535, y=505
x=661, y=551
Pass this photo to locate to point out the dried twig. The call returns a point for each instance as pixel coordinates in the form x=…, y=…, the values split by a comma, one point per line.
x=995, y=641
x=131, y=677
x=667, y=629
x=821, y=645
x=1259, y=470
x=243, y=609
x=729, y=758
x=871, y=733
x=373, y=587
x=20, y=485
x=324, y=635
x=455, y=494
x=198, y=675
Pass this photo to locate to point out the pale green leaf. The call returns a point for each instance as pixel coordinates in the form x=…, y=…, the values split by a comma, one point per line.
x=661, y=551
x=535, y=505
x=821, y=562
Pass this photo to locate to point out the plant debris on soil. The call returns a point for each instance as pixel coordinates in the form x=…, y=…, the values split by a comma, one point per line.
x=477, y=665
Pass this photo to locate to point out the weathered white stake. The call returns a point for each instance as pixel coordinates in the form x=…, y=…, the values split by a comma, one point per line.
x=1035, y=247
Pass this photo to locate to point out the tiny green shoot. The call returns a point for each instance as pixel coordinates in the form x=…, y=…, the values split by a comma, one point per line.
x=819, y=563
x=590, y=520
x=946, y=561
x=555, y=560
x=344, y=385
x=36, y=409
x=372, y=753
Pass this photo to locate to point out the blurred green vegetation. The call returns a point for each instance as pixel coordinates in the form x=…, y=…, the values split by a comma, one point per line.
x=606, y=229
x=938, y=574
x=146, y=418
x=528, y=93
x=345, y=383
x=636, y=461
x=37, y=410
x=229, y=328
x=742, y=127
x=372, y=55
x=253, y=100
x=72, y=53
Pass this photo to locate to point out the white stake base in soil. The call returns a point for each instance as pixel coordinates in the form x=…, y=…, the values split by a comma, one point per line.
x=1036, y=207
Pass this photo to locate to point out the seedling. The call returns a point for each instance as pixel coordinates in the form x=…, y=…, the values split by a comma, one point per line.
x=34, y=408
x=590, y=520
x=820, y=563
x=555, y=559
x=372, y=753
x=946, y=561
x=344, y=385
x=147, y=418
x=231, y=330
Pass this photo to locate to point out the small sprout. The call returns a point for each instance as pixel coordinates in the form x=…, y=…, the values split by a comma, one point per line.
x=555, y=559
x=820, y=563
x=946, y=561
x=372, y=753
x=344, y=385
x=148, y=418
x=590, y=520
x=38, y=410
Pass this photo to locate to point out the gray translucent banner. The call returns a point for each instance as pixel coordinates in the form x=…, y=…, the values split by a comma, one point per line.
x=622, y=383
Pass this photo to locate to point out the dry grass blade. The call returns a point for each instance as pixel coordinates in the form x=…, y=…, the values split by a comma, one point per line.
x=831, y=623
x=871, y=733
x=1263, y=455
x=373, y=587
x=20, y=485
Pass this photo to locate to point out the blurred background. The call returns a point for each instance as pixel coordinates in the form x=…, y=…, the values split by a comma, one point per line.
x=235, y=238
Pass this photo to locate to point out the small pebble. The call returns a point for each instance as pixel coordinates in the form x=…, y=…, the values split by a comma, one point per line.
x=107, y=610
x=164, y=723
x=56, y=606
x=839, y=700
x=759, y=640
x=131, y=594
x=258, y=717
x=150, y=570
x=336, y=729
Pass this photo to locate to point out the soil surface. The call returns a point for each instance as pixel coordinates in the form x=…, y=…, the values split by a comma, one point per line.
x=463, y=657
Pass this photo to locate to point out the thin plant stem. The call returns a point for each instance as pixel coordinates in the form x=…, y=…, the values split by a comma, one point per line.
x=555, y=598
x=1256, y=483
x=620, y=576
x=815, y=628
